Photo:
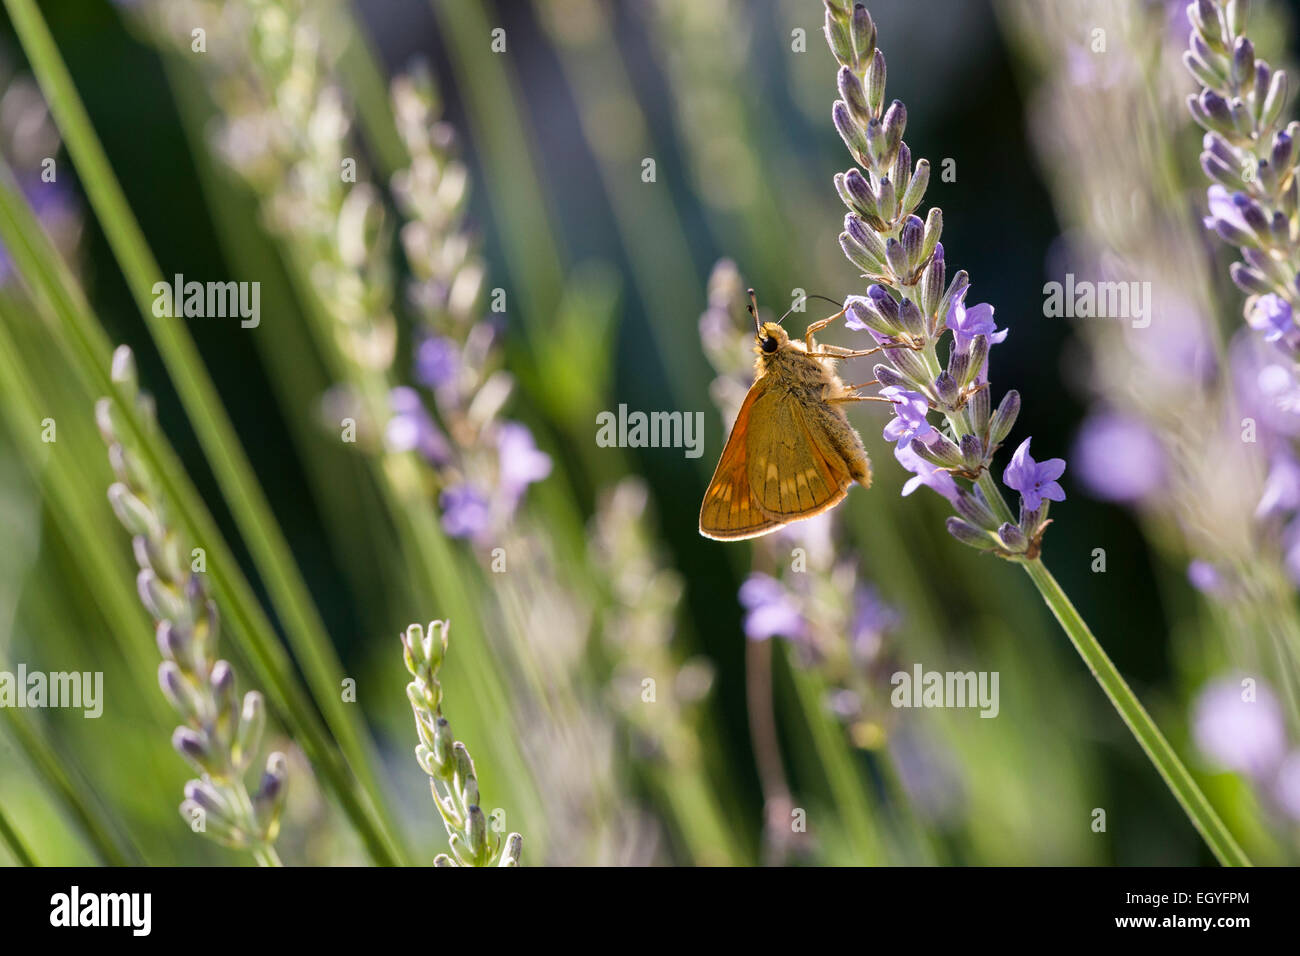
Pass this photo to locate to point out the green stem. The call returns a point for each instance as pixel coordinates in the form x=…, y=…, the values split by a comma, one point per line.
x=11, y=839
x=1139, y=722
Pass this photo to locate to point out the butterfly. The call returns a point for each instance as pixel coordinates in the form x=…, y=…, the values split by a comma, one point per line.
x=792, y=453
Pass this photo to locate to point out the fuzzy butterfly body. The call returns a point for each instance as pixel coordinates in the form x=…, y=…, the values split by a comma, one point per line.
x=792, y=453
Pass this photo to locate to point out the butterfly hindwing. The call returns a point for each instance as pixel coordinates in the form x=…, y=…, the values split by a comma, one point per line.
x=795, y=470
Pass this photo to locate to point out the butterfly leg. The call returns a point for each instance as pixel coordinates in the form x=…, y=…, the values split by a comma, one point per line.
x=817, y=327
x=859, y=398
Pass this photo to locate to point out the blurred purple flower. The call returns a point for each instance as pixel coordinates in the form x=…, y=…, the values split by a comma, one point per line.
x=1205, y=577
x=465, y=512
x=1286, y=786
x=412, y=428
x=1239, y=735
x=872, y=620
x=54, y=206
x=437, y=361
x=1224, y=212
x=1281, y=488
x=1272, y=316
x=520, y=463
x=771, y=610
x=1034, y=480
x=1119, y=458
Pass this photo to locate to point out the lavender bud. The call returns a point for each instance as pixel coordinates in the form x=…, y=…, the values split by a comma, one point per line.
x=972, y=452
x=910, y=237
x=956, y=288
x=970, y=535
x=887, y=376
x=896, y=258
x=1205, y=74
x=205, y=796
x=865, y=314
x=477, y=833
x=133, y=513
x=248, y=734
x=222, y=682
x=862, y=33
x=1005, y=417
x=911, y=318
x=854, y=97
x=887, y=199
x=1281, y=153
x=916, y=188
x=514, y=842
x=173, y=643
x=1275, y=100
x=945, y=387
x=158, y=599
x=875, y=83
x=850, y=132
x=122, y=372
x=176, y=689
x=1249, y=280
x=193, y=746
x=1243, y=61
x=268, y=801
x=900, y=170
x=939, y=450
x=979, y=354
x=856, y=193
x=865, y=236
x=443, y=742
x=856, y=253
x=977, y=409
x=958, y=365
x=974, y=509
x=909, y=364
x=1013, y=538
x=838, y=39
x=894, y=123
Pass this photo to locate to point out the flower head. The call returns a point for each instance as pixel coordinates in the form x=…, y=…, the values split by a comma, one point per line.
x=1239, y=730
x=1034, y=480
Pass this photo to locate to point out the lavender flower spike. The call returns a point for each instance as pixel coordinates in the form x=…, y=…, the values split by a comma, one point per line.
x=1250, y=155
x=911, y=304
x=452, y=779
x=909, y=307
x=220, y=736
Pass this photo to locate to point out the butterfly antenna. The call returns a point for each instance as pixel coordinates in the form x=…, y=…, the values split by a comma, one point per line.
x=805, y=299
x=753, y=310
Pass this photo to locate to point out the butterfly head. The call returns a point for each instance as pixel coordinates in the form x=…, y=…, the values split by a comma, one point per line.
x=771, y=337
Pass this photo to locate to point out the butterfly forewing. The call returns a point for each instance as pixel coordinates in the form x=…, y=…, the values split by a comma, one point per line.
x=729, y=510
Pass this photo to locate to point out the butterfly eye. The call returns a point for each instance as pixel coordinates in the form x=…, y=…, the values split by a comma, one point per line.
x=770, y=345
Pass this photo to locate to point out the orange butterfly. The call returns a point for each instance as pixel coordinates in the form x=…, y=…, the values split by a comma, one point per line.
x=792, y=453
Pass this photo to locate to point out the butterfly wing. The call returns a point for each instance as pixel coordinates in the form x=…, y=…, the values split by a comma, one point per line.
x=729, y=511
x=795, y=469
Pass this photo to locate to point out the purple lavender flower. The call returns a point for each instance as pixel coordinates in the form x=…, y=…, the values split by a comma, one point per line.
x=1272, y=316
x=1282, y=487
x=1286, y=785
x=1034, y=480
x=968, y=323
x=412, y=428
x=437, y=361
x=1225, y=214
x=1244, y=736
x=465, y=512
x=925, y=474
x=770, y=610
x=1205, y=577
x=521, y=463
x=909, y=410
x=872, y=620
x=1119, y=458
